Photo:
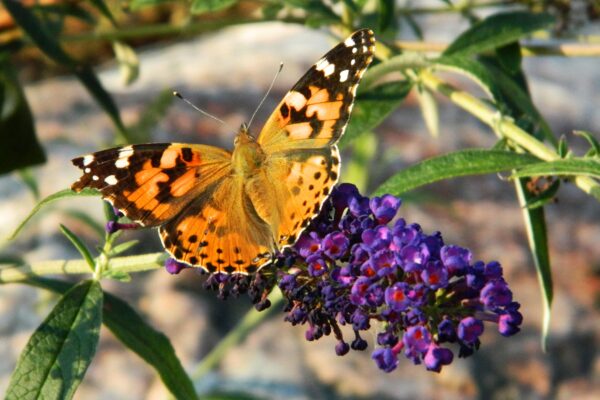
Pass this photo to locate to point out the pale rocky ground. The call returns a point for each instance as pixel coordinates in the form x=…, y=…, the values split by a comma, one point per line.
x=226, y=73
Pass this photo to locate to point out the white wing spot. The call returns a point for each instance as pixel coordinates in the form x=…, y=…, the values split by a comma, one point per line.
x=344, y=75
x=365, y=49
x=349, y=42
x=329, y=69
x=354, y=50
x=122, y=162
x=87, y=160
x=95, y=177
x=321, y=64
x=111, y=180
x=352, y=62
x=87, y=170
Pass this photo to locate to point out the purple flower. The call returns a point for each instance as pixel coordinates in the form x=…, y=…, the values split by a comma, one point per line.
x=317, y=267
x=385, y=359
x=446, y=331
x=359, y=206
x=384, y=208
x=308, y=244
x=335, y=245
x=173, y=266
x=395, y=296
x=496, y=294
x=435, y=275
x=469, y=329
x=359, y=291
x=416, y=342
x=341, y=348
x=437, y=357
x=351, y=268
x=509, y=322
x=114, y=226
x=456, y=259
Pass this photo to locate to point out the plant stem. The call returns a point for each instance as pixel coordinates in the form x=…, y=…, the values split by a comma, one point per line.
x=128, y=264
x=503, y=126
x=527, y=49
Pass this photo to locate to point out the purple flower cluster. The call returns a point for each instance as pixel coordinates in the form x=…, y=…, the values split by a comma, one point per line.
x=355, y=266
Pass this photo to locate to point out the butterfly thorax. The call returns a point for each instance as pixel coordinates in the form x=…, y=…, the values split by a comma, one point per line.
x=247, y=156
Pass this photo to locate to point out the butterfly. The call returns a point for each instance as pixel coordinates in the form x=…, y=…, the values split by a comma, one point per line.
x=232, y=211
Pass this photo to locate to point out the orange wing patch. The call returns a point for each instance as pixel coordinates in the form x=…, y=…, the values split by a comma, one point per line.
x=220, y=231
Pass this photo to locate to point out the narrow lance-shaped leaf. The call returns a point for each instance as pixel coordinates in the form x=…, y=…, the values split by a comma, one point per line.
x=498, y=30
x=135, y=333
x=60, y=350
x=537, y=236
x=80, y=246
x=452, y=165
x=566, y=167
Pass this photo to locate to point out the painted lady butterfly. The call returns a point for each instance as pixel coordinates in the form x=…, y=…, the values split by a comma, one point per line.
x=231, y=211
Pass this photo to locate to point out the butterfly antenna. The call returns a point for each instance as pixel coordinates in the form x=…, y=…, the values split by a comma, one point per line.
x=266, y=94
x=201, y=111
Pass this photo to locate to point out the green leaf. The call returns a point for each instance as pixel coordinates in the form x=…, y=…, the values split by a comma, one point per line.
x=20, y=147
x=80, y=246
x=509, y=56
x=537, y=236
x=59, y=352
x=123, y=247
x=153, y=346
x=566, y=167
x=496, y=31
x=204, y=6
x=373, y=107
x=135, y=333
x=502, y=88
x=594, y=145
x=120, y=276
x=129, y=64
x=53, y=197
x=452, y=165
x=429, y=110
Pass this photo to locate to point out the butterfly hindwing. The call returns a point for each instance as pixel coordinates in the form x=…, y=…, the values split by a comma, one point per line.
x=220, y=231
x=306, y=177
x=151, y=183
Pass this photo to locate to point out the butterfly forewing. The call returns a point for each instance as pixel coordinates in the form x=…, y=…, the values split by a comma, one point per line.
x=299, y=137
x=316, y=111
x=151, y=183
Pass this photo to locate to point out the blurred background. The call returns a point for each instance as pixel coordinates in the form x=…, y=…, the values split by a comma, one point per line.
x=225, y=68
